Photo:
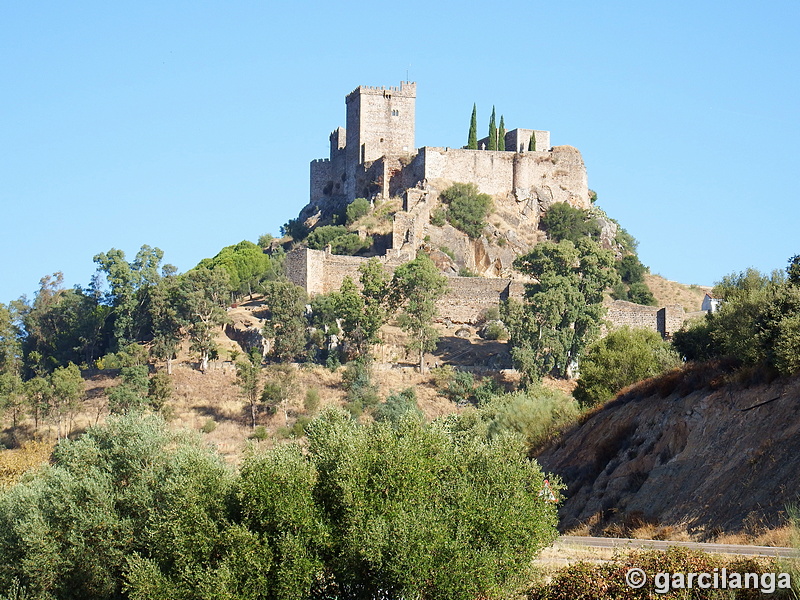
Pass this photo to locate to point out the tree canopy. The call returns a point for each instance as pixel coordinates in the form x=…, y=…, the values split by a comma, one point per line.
x=563, y=310
x=398, y=509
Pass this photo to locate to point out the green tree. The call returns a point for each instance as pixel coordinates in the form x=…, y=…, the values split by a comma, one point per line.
x=640, y=294
x=206, y=294
x=129, y=510
x=501, y=135
x=620, y=359
x=67, y=391
x=350, y=244
x=39, y=396
x=492, y=133
x=322, y=236
x=793, y=270
x=168, y=314
x=285, y=323
x=421, y=284
x=60, y=326
x=10, y=340
x=532, y=142
x=563, y=311
x=12, y=397
x=413, y=512
x=131, y=394
x=467, y=208
x=247, y=266
x=472, y=138
x=248, y=378
x=130, y=285
x=279, y=389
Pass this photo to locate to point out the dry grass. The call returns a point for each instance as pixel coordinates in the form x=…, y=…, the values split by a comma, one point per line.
x=668, y=292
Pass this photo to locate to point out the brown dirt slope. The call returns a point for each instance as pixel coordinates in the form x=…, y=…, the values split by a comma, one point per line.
x=703, y=461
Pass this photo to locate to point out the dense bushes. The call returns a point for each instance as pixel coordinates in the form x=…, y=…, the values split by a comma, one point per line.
x=623, y=357
x=757, y=324
x=467, y=208
x=564, y=222
x=393, y=511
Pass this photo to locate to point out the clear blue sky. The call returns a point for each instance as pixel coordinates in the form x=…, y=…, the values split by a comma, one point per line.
x=190, y=125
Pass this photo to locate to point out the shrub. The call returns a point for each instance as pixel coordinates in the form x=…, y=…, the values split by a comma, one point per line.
x=415, y=513
x=439, y=217
x=357, y=381
x=350, y=244
x=536, y=414
x=209, y=426
x=495, y=331
x=311, y=402
x=641, y=294
x=260, y=433
x=564, y=222
x=398, y=406
x=467, y=208
x=461, y=387
x=357, y=209
x=449, y=252
x=623, y=357
x=322, y=236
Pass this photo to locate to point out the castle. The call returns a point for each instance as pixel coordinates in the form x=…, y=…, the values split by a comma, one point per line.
x=375, y=157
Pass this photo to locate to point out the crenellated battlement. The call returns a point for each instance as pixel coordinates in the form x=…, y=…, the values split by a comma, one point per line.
x=406, y=88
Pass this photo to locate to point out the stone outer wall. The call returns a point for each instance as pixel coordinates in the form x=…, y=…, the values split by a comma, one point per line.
x=555, y=176
x=318, y=272
x=467, y=298
x=665, y=320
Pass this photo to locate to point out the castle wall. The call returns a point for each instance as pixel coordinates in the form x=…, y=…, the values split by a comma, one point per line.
x=665, y=320
x=305, y=267
x=555, y=176
x=468, y=297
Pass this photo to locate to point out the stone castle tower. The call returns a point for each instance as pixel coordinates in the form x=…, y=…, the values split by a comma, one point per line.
x=380, y=123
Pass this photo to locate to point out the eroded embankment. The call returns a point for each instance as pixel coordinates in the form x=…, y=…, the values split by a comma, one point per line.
x=709, y=461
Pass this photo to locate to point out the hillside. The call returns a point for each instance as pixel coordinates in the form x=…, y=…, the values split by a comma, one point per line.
x=702, y=461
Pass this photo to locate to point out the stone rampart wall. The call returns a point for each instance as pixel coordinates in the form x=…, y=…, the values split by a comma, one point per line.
x=468, y=297
x=555, y=176
x=665, y=320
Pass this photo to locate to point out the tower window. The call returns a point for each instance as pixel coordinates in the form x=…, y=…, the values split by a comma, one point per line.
x=395, y=113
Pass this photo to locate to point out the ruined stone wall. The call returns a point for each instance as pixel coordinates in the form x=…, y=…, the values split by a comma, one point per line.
x=665, y=320
x=555, y=176
x=305, y=267
x=468, y=297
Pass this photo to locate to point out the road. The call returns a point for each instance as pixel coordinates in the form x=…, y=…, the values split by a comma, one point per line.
x=611, y=543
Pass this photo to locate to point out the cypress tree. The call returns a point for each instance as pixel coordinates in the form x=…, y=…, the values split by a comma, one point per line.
x=472, y=142
x=492, y=133
x=501, y=135
x=532, y=143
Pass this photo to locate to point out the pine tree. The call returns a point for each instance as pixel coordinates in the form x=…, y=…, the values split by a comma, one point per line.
x=492, y=133
x=472, y=142
x=532, y=143
x=501, y=135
